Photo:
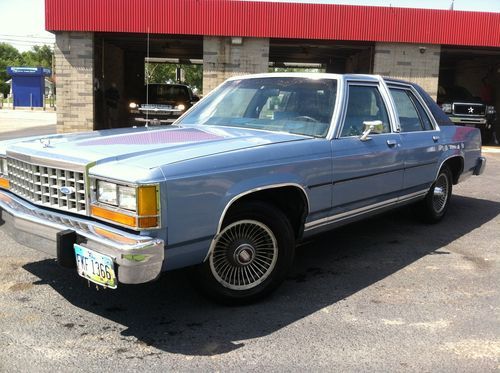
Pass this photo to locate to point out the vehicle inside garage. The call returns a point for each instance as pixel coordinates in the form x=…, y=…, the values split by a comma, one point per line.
x=471, y=76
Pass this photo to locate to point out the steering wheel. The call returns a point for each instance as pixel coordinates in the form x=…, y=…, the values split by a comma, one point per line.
x=306, y=118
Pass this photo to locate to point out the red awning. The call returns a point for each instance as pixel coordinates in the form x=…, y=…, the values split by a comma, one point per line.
x=275, y=20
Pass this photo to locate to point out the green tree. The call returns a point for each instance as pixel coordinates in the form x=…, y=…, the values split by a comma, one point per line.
x=166, y=72
x=9, y=56
x=38, y=56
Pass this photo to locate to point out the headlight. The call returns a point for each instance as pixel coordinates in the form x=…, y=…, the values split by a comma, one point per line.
x=446, y=108
x=4, y=180
x=133, y=206
x=133, y=105
x=107, y=193
x=181, y=107
x=126, y=198
x=490, y=110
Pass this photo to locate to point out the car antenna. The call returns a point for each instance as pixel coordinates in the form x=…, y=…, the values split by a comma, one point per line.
x=147, y=81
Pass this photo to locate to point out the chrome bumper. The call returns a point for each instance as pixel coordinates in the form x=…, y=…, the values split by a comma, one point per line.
x=480, y=166
x=139, y=259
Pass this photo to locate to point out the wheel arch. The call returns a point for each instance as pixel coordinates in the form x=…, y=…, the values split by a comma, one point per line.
x=456, y=165
x=274, y=194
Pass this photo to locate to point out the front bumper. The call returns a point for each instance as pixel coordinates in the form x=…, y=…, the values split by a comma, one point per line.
x=139, y=258
x=476, y=121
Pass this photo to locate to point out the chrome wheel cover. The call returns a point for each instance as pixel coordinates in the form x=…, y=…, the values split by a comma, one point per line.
x=440, y=193
x=244, y=255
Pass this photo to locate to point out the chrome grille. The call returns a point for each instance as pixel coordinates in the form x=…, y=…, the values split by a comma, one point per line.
x=41, y=185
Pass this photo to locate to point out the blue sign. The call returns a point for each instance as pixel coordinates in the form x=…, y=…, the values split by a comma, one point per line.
x=28, y=85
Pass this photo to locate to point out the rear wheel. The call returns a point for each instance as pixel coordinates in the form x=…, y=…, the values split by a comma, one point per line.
x=435, y=204
x=251, y=255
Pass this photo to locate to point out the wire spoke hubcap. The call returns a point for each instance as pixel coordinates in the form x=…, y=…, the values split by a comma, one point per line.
x=440, y=193
x=244, y=255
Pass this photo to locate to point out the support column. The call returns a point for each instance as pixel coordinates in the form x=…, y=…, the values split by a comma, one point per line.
x=74, y=66
x=417, y=63
x=224, y=57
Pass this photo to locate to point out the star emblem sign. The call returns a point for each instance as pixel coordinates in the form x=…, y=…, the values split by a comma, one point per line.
x=471, y=110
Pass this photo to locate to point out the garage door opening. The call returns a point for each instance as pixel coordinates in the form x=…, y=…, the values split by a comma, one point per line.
x=469, y=88
x=125, y=63
x=320, y=56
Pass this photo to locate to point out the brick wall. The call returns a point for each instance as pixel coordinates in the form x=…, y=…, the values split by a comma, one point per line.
x=221, y=59
x=406, y=61
x=74, y=78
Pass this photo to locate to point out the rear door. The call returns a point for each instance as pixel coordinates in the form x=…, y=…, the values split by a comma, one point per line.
x=366, y=174
x=419, y=139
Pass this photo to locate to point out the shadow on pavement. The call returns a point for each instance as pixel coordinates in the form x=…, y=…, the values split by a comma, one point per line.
x=171, y=316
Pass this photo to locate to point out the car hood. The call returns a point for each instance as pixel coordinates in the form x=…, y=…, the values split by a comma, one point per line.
x=136, y=144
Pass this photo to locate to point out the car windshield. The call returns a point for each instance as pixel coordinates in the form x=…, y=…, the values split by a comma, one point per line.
x=163, y=93
x=296, y=105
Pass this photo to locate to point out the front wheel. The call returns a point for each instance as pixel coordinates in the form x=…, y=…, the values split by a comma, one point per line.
x=250, y=257
x=435, y=204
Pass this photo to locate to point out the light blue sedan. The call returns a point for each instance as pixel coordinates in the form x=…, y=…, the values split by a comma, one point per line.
x=258, y=165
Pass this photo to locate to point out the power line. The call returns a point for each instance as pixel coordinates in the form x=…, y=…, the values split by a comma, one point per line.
x=27, y=36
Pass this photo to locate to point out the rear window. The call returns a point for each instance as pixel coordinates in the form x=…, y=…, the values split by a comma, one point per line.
x=438, y=114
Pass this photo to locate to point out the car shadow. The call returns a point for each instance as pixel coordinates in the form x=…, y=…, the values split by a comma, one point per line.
x=171, y=316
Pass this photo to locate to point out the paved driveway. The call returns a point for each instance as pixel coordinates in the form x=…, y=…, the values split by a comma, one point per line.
x=387, y=294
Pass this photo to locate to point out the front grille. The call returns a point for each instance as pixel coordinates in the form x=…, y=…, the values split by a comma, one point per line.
x=42, y=185
x=469, y=109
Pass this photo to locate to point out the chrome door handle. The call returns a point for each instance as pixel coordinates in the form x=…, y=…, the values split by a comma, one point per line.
x=392, y=143
x=435, y=138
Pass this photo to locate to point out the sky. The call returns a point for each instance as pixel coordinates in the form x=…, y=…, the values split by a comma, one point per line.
x=22, y=22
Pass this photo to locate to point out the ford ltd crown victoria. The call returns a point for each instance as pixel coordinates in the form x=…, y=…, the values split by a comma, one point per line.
x=232, y=186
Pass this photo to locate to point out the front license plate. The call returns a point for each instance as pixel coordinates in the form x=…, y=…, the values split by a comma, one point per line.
x=95, y=267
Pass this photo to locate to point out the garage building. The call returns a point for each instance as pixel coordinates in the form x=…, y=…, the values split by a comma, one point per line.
x=103, y=43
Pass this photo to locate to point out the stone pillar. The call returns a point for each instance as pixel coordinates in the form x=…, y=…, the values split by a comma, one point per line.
x=223, y=58
x=417, y=63
x=74, y=67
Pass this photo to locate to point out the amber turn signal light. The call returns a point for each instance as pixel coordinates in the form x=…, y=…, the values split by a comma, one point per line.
x=115, y=216
x=4, y=183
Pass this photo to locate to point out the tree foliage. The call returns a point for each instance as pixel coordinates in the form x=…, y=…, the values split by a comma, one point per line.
x=166, y=73
x=38, y=56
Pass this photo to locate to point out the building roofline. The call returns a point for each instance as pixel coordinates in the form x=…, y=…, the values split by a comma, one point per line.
x=276, y=20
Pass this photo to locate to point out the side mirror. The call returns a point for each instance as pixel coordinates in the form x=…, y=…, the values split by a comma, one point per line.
x=195, y=99
x=373, y=126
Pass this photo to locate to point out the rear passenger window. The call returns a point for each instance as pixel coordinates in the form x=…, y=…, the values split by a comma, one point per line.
x=407, y=112
x=412, y=116
x=364, y=104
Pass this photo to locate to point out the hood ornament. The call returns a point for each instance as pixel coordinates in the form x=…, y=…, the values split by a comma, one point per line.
x=45, y=142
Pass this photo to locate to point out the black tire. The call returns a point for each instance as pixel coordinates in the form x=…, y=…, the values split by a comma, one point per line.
x=250, y=257
x=433, y=208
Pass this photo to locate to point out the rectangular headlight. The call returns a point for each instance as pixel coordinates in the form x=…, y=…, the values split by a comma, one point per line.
x=4, y=170
x=107, y=193
x=126, y=198
x=446, y=108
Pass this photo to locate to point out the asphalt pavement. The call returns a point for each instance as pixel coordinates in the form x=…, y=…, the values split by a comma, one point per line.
x=385, y=294
x=23, y=123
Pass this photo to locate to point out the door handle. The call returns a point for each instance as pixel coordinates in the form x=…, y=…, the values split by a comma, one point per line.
x=392, y=143
x=435, y=138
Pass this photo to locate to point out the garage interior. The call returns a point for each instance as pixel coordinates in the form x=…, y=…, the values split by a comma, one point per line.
x=472, y=69
x=324, y=55
x=120, y=59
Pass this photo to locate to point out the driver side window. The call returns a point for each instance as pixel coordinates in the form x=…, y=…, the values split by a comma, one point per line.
x=364, y=104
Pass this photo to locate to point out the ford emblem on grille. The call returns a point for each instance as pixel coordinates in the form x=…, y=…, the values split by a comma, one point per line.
x=67, y=190
x=471, y=110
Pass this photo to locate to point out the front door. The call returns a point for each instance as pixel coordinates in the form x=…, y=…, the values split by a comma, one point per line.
x=367, y=173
